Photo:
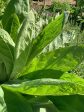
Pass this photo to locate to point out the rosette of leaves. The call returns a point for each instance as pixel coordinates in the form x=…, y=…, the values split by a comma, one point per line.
x=29, y=79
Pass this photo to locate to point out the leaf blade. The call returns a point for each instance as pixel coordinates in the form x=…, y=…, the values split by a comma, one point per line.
x=49, y=33
x=62, y=59
x=48, y=86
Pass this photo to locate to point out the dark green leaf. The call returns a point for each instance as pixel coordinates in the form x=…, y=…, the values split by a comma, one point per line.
x=15, y=102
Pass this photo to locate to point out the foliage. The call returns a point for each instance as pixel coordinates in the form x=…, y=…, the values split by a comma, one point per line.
x=29, y=78
x=58, y=6
x=80, y=3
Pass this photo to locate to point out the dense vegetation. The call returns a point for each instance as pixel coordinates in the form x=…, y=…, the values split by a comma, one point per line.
x=35, y=71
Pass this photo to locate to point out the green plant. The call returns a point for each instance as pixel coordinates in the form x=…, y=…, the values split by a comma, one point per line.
x=58, y=6
x=29, y=79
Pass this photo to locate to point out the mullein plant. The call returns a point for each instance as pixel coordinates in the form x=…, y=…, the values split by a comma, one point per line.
x=30, y=79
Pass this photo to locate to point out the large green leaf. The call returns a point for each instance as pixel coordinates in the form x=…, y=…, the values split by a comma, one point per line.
x=72, y=78
x=49, y=33
x=20, y=7
x=6, y=55
x=67, y=84
x=15, y=102
x=23, y=43
x=63, y=59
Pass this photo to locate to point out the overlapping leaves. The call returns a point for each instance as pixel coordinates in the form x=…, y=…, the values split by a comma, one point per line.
x=27, y=47
x=67, y=84
x=44, y=76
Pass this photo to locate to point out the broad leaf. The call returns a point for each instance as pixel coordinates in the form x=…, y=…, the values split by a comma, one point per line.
x=72, y=78
x=63, y=59
x=62, y=86
x=15, y=102
x=6, y=55
x=49, y=33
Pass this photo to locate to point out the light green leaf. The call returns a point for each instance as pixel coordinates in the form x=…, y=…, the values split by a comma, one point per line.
x=49, y=33
x=43, y=87
x=23, y=43
x=63, y=59
x=15, y=102
x=72, y=78
x=6, y=55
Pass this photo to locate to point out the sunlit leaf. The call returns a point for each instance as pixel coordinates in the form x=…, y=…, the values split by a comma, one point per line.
x=48, y=86
x=49, y=33
x=63, y=59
